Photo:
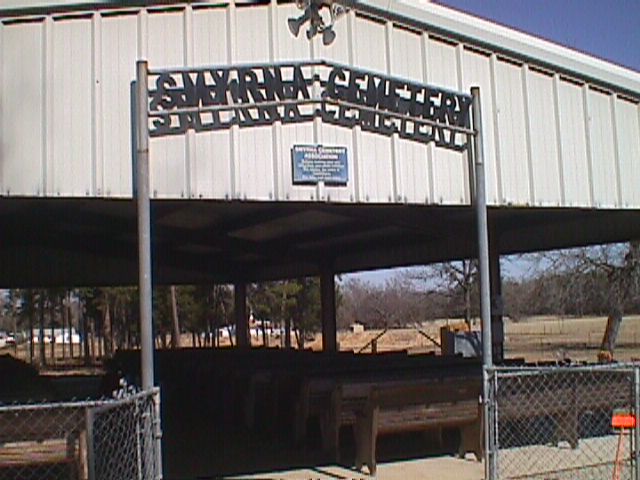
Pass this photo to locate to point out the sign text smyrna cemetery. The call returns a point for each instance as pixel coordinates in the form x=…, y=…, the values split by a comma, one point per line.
x=218, y=98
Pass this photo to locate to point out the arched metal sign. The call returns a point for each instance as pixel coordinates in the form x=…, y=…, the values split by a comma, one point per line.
x=217, y=98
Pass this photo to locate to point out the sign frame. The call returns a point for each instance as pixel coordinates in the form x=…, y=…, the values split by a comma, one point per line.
x=312, y=164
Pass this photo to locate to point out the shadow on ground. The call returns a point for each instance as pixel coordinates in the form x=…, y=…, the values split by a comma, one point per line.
x=196, y=445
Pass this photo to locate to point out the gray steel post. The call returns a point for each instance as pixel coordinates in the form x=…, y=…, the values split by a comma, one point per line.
x=91, y=458
x=494, y=433
x=157, y=432
x=636, y=431
x=483, y=230
x=483, y=260
x=139, y=459
x=144, y=224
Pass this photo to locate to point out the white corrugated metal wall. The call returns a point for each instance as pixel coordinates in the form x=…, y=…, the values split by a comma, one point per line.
x=65, y=114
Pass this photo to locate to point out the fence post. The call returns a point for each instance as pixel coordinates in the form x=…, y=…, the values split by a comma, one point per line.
x=490, y=422
x=91, y=467
x=636, y=431
x=495, y=415
x=139, y=458
x=157, y=433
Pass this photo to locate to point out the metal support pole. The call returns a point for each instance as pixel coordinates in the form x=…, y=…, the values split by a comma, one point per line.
x=243, y=338
x=483, y=230
x=144, y=224
x=483, y=260
x=328, y=310
x=497, y=307
x=636, y=431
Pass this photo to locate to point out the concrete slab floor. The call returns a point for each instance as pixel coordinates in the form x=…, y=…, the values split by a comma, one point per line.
x=434, y=468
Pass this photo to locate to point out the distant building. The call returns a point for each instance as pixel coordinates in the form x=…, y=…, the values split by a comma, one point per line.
x=356, y=327
x=60, y=335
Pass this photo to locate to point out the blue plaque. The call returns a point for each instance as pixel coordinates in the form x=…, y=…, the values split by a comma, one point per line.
x=317, y=163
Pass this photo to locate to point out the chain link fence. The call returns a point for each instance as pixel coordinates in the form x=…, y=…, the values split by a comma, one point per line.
x=92, y=440
x=556, y=423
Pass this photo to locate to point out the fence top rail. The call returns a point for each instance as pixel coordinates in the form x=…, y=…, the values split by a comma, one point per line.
x=550, y=369
x=81, y=404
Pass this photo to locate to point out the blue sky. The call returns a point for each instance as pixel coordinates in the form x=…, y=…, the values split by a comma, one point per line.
x=607, y=29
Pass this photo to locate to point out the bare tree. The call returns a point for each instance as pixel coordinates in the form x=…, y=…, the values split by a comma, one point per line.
x=601, y=280
x=604, y=279
x=396, y=303
x=457, y=281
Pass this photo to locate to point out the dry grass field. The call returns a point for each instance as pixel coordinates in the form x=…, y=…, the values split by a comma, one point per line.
x=577, y=339
x=535, y=339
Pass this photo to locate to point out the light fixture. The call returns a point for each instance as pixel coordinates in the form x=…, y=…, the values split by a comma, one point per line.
x=317, y=24
x=312, y=31
x=328, y=35
x=295, y=24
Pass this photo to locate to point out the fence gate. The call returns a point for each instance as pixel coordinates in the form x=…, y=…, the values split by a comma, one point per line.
x=122, y=438
x=563, y=423
x=110, y=439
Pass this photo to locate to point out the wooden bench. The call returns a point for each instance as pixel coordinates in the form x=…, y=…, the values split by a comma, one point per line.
x=563, y=401
x=314, y=397
x=375, y=409
x=360, y=372
x=25, y=432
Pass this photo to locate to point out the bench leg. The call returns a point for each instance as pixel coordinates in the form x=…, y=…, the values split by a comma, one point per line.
x=567, y=428
x=301, y=412
x=330, y=425
x=329, y=431
x=71, y=446
x=366, y=435
x=72, y=460
x=83, y=456
x=471, y=440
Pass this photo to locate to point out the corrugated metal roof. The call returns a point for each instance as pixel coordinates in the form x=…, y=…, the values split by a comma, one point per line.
x=436, y=17
x=22, y=5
